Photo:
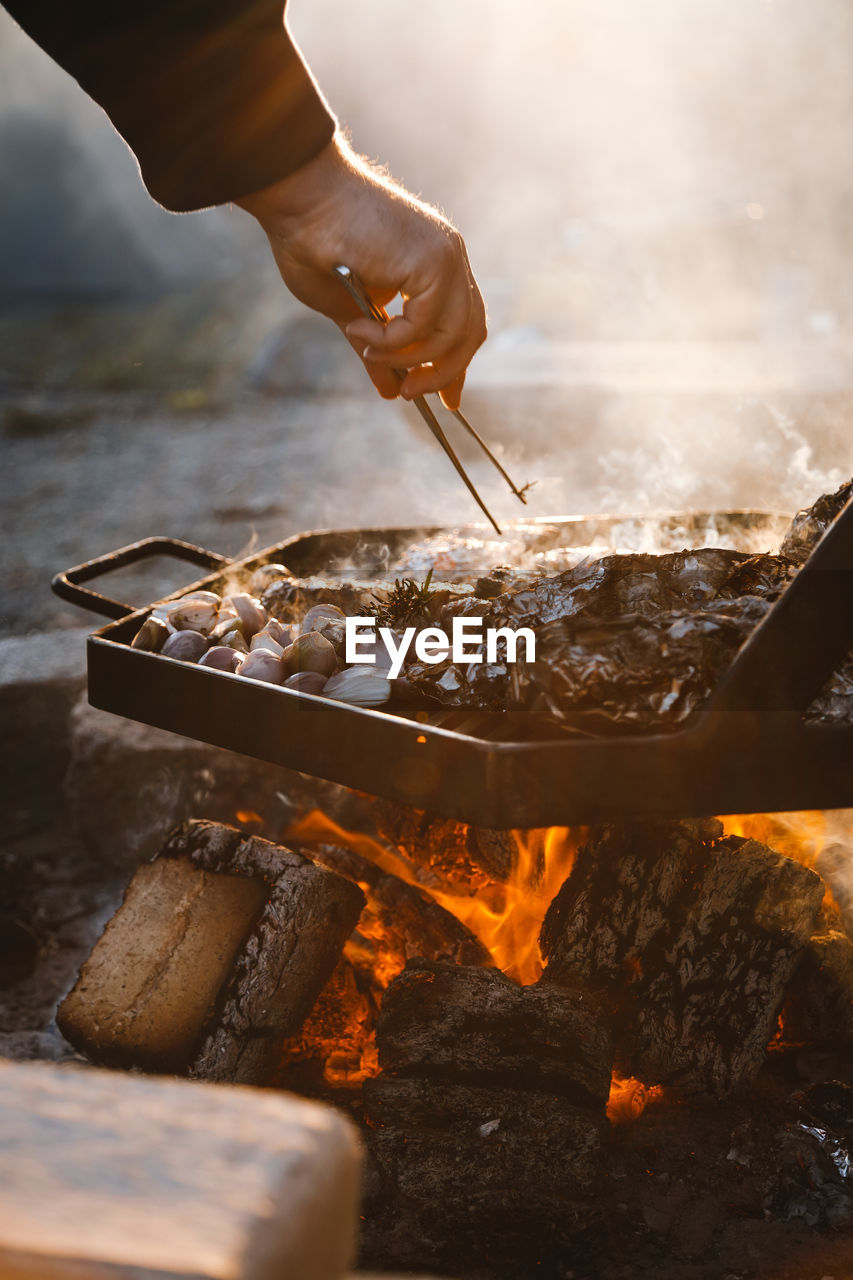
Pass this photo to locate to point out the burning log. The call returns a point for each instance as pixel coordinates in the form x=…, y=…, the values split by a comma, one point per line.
x=217, y=953
x=335, y=1047
x=691, y=939
x=400, y=921
x=457, y=853
x=486, y=1086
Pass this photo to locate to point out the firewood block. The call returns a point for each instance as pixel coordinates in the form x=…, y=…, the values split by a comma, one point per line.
x=440, y=1143
x=479, y=1179
x=691, y=938
x=486, y=1127
x=475, y=1024
x=111, y=1175
x=218, y=952
x=401, y=920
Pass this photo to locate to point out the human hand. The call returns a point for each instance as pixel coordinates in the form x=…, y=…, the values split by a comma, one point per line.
x=337, y=209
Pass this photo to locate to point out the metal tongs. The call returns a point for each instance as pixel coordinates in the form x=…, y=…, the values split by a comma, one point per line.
x=372, y=309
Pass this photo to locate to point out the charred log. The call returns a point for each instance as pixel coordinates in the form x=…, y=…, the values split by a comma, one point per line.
x=501, y=1181
x=486, y=1127
x=691, y=940
x=476, y=1025
x=400, y=921
x=456, y=853
x=218, y=952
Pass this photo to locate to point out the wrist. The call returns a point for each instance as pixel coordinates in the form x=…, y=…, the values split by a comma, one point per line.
x=301, y=192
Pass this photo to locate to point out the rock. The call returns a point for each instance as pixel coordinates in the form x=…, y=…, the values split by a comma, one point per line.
x=110, y=1174
x=128, y=785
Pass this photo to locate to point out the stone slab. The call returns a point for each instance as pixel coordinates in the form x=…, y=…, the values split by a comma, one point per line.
x=114, y=1175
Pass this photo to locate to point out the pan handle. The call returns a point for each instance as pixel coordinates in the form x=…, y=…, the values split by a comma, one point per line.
x=805, y=636
x=66, y=585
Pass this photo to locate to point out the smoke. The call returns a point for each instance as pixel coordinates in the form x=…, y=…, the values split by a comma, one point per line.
x=656, y=199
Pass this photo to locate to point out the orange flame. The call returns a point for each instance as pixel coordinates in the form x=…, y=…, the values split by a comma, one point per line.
x=800, y=836
x=505, y=917
x=628, y=1098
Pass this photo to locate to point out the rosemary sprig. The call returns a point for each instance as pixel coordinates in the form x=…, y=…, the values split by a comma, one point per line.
x=406, y=604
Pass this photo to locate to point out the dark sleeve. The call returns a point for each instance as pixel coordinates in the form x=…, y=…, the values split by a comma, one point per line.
x=211, y=95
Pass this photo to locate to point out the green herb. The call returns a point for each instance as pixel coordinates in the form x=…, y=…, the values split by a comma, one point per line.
x=406, y=605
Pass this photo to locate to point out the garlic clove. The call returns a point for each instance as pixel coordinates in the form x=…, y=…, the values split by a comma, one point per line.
x=220, y=658
x=194, y=615
x=317, y=613
x=263, y=640
x=186, y=646
x=230, y=632
x=311, y=652
x=229, y=623
x=151, y=636
x=306, y=682
x=280, y=632
x=249, y=611
x=262, y=665
x=359, y=687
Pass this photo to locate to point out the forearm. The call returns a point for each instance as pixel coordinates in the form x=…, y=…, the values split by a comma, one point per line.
x=211, y=95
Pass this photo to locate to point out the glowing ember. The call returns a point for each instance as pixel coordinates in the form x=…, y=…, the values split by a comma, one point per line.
x=629, y=1097
x=248, y=816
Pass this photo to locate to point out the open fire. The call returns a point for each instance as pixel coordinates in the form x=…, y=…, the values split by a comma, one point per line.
x=481, y=999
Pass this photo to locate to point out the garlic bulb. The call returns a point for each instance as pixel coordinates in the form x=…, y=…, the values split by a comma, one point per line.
x=359, y=687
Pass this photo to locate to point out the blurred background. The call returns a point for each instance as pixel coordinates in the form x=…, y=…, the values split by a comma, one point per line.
x=656, y=197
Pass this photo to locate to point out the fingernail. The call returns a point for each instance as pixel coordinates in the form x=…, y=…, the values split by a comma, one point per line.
x=367, y=353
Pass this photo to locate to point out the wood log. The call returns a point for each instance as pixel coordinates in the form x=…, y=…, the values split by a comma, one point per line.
x=691, y=939
x=217, y=953
x=482, y=1180
x=458, y=1023
x=400, y=921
